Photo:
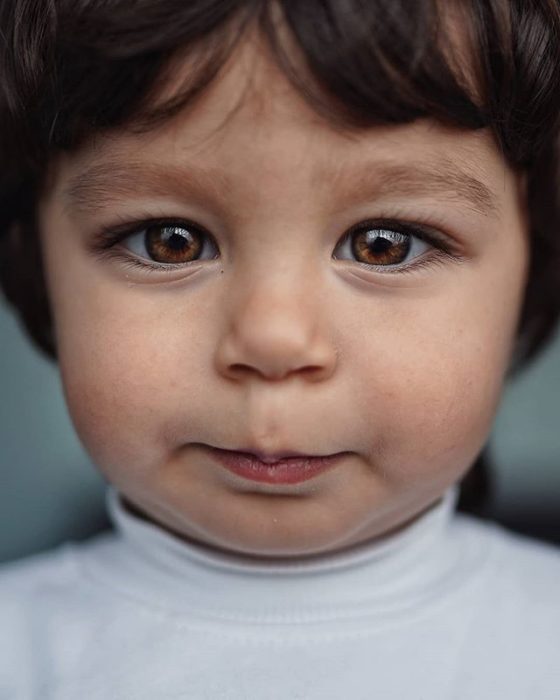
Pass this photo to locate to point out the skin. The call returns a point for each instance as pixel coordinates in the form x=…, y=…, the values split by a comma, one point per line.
x=274, y=344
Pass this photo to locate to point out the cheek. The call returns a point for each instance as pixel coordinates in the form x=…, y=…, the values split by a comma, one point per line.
x=125, y=371
x=435, y=380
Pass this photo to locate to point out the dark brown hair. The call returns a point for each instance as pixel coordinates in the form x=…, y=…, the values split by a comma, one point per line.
x=73, y=68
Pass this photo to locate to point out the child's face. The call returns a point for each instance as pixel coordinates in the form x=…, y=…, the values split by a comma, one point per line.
x=269, y=341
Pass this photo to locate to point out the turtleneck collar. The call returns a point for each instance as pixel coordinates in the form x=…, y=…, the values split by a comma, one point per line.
x=384, y=576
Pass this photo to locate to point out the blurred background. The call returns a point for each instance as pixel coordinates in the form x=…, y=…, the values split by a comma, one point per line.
x=51, y=493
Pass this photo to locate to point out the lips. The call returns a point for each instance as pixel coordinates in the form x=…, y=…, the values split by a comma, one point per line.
x=278, y=468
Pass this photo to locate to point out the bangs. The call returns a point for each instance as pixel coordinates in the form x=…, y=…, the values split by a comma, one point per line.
x=356, y=63
x=97, y=65
x=356, y=67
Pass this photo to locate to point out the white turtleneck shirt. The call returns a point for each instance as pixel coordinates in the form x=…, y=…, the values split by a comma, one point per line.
x=449, y=608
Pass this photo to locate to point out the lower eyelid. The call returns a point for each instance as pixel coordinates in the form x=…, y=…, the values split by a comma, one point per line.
x=415, y=273
x=435, y=259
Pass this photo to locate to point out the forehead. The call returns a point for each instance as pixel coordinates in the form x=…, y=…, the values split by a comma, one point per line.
x=251, y=120
x=253, y=97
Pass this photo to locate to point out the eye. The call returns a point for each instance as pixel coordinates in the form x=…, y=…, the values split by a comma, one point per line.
x=170, y=243
x=387, y=244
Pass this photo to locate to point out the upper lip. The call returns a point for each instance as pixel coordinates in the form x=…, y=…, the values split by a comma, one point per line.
x=270, y=457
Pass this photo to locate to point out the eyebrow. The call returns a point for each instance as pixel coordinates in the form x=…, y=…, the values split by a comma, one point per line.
x=108, y=182
x=442, y=179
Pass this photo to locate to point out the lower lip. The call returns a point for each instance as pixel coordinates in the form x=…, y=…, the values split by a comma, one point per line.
x=291, y=470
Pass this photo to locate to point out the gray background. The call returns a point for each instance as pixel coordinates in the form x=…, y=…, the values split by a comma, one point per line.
x=50, y=492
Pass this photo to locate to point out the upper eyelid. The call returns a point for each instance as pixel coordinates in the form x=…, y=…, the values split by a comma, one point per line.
x=425, y=233
x=135, y=228
x=400, y=225
x=110, y=235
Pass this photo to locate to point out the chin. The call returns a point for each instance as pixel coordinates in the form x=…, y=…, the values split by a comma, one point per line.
x=280, y=543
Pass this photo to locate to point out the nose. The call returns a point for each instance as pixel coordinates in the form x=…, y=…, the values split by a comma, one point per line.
x=274, y=331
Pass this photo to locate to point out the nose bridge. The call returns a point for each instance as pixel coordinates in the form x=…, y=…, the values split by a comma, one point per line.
x=279, y=303
x=275, y=325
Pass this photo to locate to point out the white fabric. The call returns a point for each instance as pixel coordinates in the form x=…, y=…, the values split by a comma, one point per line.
x=450, y=608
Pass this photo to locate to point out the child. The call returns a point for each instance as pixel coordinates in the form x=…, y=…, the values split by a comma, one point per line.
x=285, y=255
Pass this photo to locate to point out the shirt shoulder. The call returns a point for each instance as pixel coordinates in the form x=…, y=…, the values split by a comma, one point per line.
x=50, y=612
x=26, y=588
x=31, y=586
x=514, y=623
x=42, y=568
x=52, y=577
x=535, y=562
x=521, y=581
x=41, y=579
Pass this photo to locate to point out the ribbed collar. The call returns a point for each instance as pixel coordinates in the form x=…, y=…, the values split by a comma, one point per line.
x=383, y=576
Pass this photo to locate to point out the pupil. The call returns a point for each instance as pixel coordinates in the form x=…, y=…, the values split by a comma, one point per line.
x=380, y=245
x=174, y=240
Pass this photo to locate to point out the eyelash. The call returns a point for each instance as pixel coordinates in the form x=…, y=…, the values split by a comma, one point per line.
x=105, y=241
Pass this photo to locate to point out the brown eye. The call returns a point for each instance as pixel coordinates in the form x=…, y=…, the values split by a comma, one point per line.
x=381, y=246
x=170, y=244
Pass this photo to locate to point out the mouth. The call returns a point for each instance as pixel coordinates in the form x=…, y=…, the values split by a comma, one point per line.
x=279, y=468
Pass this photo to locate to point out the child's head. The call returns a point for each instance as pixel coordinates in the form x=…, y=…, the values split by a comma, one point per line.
x=314, y=227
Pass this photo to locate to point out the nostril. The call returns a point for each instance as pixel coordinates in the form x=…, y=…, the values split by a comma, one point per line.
x=275, y=358
x=238, y=367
